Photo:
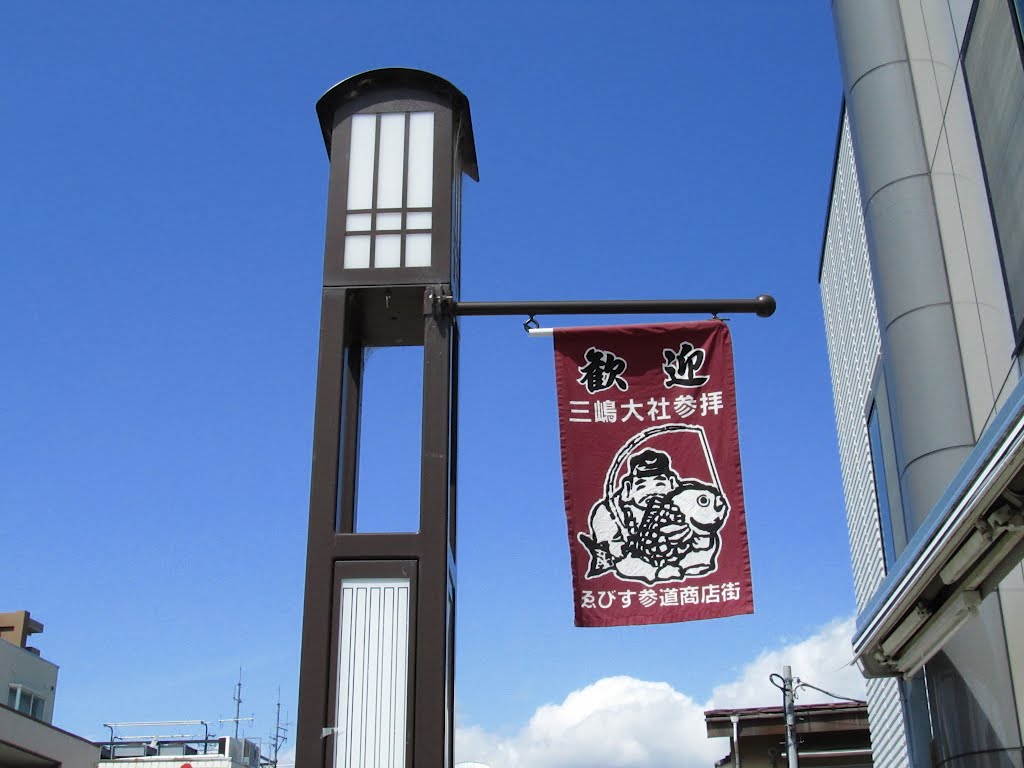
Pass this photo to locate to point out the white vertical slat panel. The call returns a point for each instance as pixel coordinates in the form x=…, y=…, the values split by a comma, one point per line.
x=373, y=654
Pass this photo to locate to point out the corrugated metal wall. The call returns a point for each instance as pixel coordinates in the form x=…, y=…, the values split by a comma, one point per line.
x=851, y=324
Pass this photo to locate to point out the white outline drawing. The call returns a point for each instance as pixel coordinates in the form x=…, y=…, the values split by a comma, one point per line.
x=654, y=525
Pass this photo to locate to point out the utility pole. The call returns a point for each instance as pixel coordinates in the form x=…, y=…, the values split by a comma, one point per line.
x=280, y=731
x=238, y=700
x=789, y=707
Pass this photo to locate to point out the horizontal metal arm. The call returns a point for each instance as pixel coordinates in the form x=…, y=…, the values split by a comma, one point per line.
x=762, y=306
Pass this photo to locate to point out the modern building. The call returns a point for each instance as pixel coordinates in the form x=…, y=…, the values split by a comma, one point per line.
x=922, y=281
x=831, y=735
x=29, y=682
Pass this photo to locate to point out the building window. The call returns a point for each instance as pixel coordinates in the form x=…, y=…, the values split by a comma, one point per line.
x=883, y=468
x=917, y=720
x=390, y=191
x=26, y=702
x=993, y=62
x=881, y=489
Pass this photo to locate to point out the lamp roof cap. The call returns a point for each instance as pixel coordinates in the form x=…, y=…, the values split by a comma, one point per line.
x=393, y=78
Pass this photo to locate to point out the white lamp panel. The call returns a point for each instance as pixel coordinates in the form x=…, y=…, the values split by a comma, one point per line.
x=360, y=161
x=417, y=250
x=390, y=164
x=421, y=159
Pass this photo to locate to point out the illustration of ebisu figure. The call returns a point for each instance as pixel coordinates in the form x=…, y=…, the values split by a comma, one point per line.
x=656, y=525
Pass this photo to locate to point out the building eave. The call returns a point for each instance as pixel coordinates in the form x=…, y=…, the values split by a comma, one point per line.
x=828, y=717
x=926, y=585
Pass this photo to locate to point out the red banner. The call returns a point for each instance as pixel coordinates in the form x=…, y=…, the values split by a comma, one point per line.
x=651, y=467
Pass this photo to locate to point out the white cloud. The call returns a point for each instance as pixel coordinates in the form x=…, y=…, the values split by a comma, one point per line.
x=822, y=659
x=618, y=722
x=621, y=722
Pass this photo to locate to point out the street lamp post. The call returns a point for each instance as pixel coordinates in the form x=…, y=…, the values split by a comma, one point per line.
x=376, y=678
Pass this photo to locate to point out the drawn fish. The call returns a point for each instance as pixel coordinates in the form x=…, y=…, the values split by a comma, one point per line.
x=670, y=522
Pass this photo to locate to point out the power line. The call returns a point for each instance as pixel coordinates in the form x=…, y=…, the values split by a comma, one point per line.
x=801, y=684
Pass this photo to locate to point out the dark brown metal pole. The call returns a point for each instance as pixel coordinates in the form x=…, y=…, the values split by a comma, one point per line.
x=762, y=306
x=435, y=633
x=317, y=614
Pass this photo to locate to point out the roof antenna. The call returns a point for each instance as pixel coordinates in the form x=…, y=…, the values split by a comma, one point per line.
x=238, y=700
x=280, y=731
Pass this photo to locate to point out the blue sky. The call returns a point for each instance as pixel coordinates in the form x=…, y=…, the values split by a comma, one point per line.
x=163, y=186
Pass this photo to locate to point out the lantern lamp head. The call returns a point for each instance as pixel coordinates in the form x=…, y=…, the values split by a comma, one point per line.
x=399, y=141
